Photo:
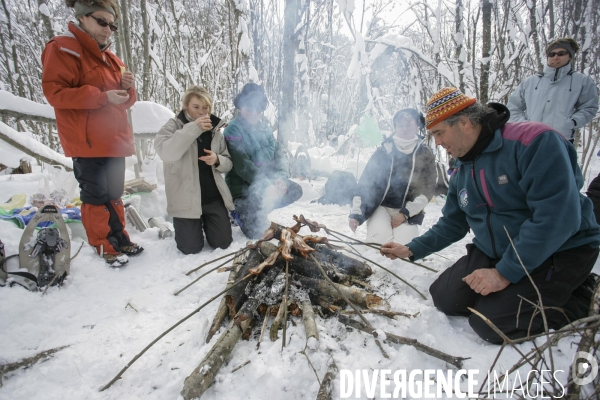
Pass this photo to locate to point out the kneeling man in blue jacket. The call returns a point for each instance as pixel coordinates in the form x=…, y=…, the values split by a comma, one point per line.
x=512, y=181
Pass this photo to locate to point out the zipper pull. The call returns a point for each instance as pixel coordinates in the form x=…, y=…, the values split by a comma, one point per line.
x=89, y=143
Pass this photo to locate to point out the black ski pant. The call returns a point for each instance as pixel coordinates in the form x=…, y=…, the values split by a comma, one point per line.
x=189, y=234
x=557, y=279
x=593, y=193
x=254, y=208
x=101, y=180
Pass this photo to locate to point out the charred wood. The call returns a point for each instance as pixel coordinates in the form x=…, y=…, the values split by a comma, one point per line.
x=308, y=268
x=237, y=296
x=348, y=265
x=357, y=296
x=257, y=296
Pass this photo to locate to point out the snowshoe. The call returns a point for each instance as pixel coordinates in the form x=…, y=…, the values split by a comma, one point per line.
x=45, y=254
x=115, y=260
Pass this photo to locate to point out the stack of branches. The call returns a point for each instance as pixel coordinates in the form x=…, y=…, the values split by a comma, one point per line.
x=293, y=277
x=283, y=281
x=583, y=379
x=297, y=276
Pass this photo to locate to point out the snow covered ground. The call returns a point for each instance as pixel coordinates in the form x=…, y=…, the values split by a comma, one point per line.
x=107, y=316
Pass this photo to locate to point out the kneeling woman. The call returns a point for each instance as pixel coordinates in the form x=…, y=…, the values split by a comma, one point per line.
x=195, y=155
x=396, y=185
x=259, y=179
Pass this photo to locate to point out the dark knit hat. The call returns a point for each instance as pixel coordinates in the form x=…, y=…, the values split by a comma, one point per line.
x=568, y=44
x=416, y=115
x=85, y=7
x=251, y=96
x=445, y=103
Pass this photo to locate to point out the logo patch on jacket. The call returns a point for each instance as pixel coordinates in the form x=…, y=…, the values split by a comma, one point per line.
x=502, y=180
x=464, y=198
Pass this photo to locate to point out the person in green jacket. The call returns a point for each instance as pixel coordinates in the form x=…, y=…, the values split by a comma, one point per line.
x=259, y=180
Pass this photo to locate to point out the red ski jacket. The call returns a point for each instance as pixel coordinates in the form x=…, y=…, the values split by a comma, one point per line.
x=76, y=75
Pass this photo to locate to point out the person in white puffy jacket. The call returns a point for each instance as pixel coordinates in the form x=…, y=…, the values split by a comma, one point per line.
x=396, y=185
x=560, y=97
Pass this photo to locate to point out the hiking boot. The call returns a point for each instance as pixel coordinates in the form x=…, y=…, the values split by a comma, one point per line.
x=115, y=260
x=586, y=291
x=131, y=250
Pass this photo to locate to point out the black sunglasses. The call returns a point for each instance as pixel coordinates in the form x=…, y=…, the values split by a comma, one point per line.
x=104, y=24
x=558, y=53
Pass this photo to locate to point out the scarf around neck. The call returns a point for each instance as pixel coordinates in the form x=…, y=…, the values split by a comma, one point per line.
x=405, y=146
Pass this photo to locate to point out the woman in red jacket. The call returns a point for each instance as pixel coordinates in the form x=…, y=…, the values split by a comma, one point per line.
x=90, y=91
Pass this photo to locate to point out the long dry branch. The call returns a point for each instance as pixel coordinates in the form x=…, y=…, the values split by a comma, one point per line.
x=28, y=361
x=456, y=361
x=234, y=254
x=181, y=321
x=393, y=274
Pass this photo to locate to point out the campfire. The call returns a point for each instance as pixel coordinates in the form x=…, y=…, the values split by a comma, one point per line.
x=297, y=276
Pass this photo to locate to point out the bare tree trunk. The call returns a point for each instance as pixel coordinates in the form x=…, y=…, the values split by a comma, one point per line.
x=534, y=34
x=459, y=38
x=551, y=18
x=286, y=110
x=486, y=12
x=9, y=72
x=46, y=20
x=125, y=32
x=146, y=51
x=577, y=8
x=15, y=58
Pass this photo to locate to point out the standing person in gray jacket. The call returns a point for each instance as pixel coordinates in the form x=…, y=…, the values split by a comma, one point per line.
x=560, y=97
x=195, y=155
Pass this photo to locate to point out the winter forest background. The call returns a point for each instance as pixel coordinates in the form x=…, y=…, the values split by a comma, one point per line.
x=325, y=64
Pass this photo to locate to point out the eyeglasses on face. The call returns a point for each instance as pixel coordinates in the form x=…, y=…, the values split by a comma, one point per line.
x=558, y=53
x=104, y=24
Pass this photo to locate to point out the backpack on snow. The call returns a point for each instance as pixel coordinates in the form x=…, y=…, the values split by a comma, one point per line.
x=339, y=189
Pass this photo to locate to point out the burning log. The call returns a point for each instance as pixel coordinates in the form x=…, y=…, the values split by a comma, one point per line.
x=237, y=296
x=201, y=378
x=308, y=268
x=318, y=274
x=348, y=265
x=258, y=296
x=355, y=295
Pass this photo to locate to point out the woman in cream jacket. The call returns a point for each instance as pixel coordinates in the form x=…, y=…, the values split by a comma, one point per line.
x=195, y=155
